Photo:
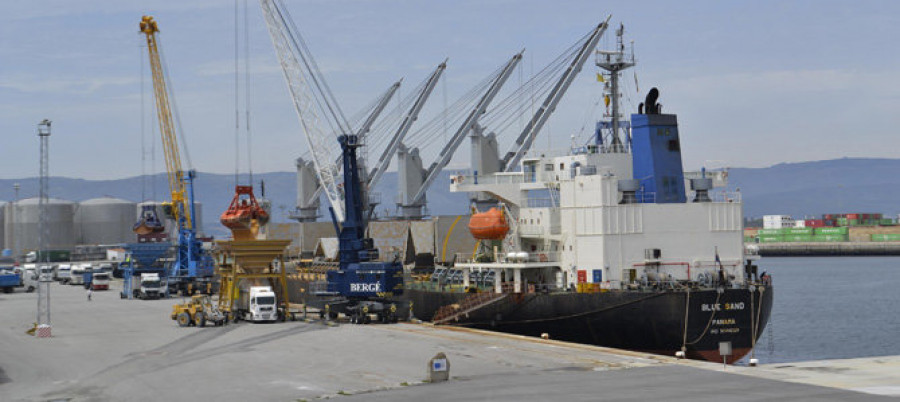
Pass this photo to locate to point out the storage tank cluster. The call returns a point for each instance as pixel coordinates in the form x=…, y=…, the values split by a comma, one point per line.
x=104, y=220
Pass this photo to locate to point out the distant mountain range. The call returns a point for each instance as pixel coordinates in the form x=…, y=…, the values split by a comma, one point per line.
x=814, y=188
x=799, y=189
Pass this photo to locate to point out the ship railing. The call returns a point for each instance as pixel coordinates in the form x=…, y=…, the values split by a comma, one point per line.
x=725, y=196
x=493, y=178
x=520, y=257
x=549, y=153
x=645, y=197
x=530, y=230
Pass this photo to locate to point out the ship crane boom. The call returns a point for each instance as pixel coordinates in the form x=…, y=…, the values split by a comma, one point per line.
x=468, y=124
x=411, y=116
x=310, y=95
x=523, y=143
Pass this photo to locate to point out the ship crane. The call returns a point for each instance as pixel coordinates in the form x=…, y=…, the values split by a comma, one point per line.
x=412, y=196
x=192, y=267
x=311, y=97
x=310, y=188
x=411, y=116
x=523, y=143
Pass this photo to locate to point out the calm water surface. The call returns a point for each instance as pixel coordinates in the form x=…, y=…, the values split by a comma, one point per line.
x=832, y=308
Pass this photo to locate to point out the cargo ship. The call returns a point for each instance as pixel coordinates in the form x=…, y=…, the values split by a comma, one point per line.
x=609, y=244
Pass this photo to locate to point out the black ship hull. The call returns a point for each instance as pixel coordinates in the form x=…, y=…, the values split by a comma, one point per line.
x=648, y=321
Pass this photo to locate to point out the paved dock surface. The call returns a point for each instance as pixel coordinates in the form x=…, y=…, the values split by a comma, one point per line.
x=116, y=350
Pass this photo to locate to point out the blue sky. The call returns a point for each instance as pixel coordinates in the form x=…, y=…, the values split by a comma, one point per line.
x=754, y=83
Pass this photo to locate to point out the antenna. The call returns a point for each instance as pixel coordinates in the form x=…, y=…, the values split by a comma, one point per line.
x=614, y=62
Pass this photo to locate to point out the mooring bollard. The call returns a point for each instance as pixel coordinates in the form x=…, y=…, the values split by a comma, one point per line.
x=439, y=368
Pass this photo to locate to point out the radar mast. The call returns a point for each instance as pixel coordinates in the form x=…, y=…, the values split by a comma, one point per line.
x=613, y=62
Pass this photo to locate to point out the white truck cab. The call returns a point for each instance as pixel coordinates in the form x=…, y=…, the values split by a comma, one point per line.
x=259, y=304
x=76, y=275
x=29, y=277
x=100, y=281
x=151, y=286
x=63, y=273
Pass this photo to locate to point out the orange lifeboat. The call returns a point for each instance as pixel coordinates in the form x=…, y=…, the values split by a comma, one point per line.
x=244, y=215
x=490, y=225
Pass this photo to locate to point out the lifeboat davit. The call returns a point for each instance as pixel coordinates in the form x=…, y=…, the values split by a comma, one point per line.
x=244, y=215
x=490, y=225
x=148, y=222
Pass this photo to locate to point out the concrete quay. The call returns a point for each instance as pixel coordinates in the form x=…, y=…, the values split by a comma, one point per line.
x=110, y=349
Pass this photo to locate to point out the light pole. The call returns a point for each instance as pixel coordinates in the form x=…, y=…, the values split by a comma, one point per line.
x=43, y=303
x=14, y=217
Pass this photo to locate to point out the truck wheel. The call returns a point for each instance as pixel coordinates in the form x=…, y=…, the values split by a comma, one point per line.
x=30, y=289
x=122, y=295
x=200, y=319
x=183, y=319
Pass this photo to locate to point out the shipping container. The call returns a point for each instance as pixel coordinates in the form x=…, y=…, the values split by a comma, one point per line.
x=886, y=237
x=852, y=216
x=771, y=238
x=800, y=231
x=831, y=231
x=762, y=232
x=815, y=223
x=830, y=238
x=798, y=238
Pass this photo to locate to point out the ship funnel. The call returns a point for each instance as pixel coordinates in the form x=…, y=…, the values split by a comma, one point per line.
x=629, y=188
x=701, y=189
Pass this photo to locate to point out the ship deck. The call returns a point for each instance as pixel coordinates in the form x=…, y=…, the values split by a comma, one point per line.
x=113, y=349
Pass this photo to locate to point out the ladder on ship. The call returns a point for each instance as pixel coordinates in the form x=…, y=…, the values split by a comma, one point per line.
x=473, y=302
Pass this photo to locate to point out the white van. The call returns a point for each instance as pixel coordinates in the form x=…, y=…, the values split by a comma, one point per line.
x=63, y=273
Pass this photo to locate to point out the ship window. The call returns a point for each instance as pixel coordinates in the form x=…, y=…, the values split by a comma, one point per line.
x=674, y=146
x=570, y=247
x=539, y=221
x=548, y=167
x=532, y=221
x=562, y=166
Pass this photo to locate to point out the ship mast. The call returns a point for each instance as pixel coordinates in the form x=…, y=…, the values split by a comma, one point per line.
x=614, y=62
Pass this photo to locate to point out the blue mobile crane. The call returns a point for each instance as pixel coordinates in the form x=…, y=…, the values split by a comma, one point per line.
x=361, y=286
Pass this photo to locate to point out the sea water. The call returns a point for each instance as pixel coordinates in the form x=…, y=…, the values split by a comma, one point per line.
x=831, y=308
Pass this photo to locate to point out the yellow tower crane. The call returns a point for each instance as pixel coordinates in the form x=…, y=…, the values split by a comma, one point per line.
x=178, y=206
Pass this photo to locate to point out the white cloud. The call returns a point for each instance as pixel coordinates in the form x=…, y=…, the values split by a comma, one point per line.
x=31, y=83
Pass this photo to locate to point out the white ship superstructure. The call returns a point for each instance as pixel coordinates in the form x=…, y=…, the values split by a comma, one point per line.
x=576, y=212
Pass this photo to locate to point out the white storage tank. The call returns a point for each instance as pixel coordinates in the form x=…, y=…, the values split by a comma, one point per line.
x=105, y=220
x=60, y=224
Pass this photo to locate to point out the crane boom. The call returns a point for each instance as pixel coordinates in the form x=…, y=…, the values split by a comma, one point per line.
x=411, y=116
x=447, y=152
x=526, y=138
x=290, y=53
x=363, y=130
x=174, y=171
